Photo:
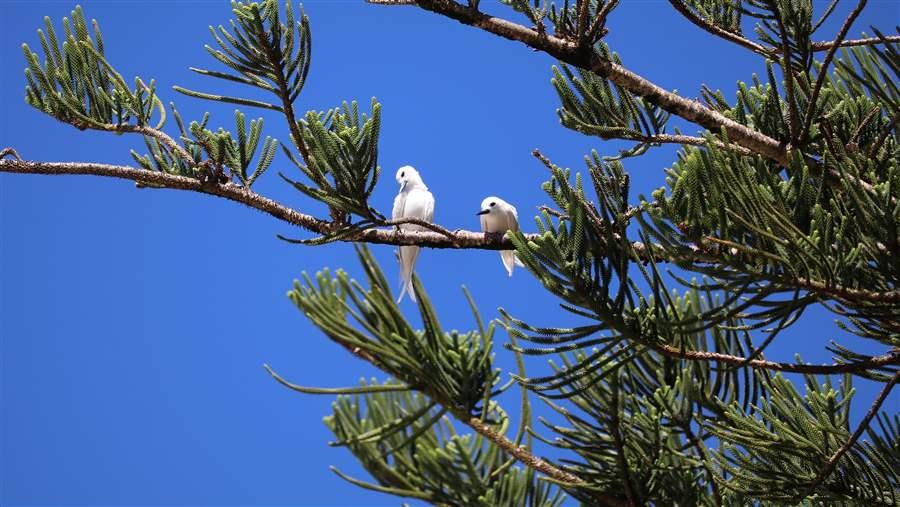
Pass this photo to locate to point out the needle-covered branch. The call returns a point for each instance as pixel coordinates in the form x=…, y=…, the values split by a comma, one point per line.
x=832, y=462
x=453, y=369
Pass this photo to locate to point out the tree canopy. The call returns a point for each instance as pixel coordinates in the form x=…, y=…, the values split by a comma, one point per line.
x=785, y=198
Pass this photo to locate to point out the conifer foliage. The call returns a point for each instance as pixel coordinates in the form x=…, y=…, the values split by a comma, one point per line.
x=787, y=197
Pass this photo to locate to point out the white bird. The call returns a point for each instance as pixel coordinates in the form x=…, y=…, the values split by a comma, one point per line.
x=413, y=201
x=499, y=216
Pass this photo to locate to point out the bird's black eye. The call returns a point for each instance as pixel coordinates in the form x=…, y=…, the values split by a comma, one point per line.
x=403, y=174
x=492, y=204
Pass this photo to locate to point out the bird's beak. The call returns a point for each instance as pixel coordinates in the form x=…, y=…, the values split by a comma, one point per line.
x=403, y=185
x=483, y=212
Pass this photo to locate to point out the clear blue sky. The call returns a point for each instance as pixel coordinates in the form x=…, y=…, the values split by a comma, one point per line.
x=134, y=323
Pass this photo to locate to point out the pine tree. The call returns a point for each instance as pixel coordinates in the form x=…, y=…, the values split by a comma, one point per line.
x=788, y=198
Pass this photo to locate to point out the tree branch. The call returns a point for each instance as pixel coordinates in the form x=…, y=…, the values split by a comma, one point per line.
x=871, y=41
x=460, y=239
x=682, y=139
x=586, y=58
x=598, y=29
x=833, y=460
x=691, y=16
x=143, y=130
x=892, y=358
x=767, y=51
x=284, y=93
x=619, y=443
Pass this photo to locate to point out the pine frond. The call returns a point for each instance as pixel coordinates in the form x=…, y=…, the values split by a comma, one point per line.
x=422, y=456
x=261, y=49
x=343, y=159
x=454, y=368
x=77, y=85
x=776, y=450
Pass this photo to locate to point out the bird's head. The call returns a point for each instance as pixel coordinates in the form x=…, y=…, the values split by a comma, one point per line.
x=409, y=178
x=491, y=205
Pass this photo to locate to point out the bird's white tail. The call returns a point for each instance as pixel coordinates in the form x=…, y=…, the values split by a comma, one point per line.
x=510, y=260
x=408, y=255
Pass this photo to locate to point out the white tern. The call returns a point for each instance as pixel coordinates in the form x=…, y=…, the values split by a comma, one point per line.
x=499, y=216
x=413, y=201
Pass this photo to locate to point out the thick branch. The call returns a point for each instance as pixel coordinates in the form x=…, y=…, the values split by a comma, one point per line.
x=460, y=239
x=569, y=52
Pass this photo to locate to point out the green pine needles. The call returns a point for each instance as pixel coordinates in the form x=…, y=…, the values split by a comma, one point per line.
x=787, y=198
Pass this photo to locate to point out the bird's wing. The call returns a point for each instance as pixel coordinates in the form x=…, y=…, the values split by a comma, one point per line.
x=512, y=219
x=399, y=204
x=419, y=204
x=512, y=222
x=429, y=207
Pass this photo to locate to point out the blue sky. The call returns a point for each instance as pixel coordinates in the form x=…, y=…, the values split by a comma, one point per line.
x=134, y=323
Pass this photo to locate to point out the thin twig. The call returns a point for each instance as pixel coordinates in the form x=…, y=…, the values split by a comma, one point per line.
x=786, y=69
x=708, y=249
x=864, y=123
x=284, y=94
x=144, y=130
x=553, y=212
x=598, y=28
x=521, y=453
x=766, y=51
x=375, y=388
x=892, y=358
x=718, y=31
x=825, y=15
x=871, y=41
x=10, y=152
x=619, y=442
x=421, y=223
x=873, y=150
x=823, y=69
x=683, y=139
x=581, y=22
x=846, y=294
x=833, y=460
